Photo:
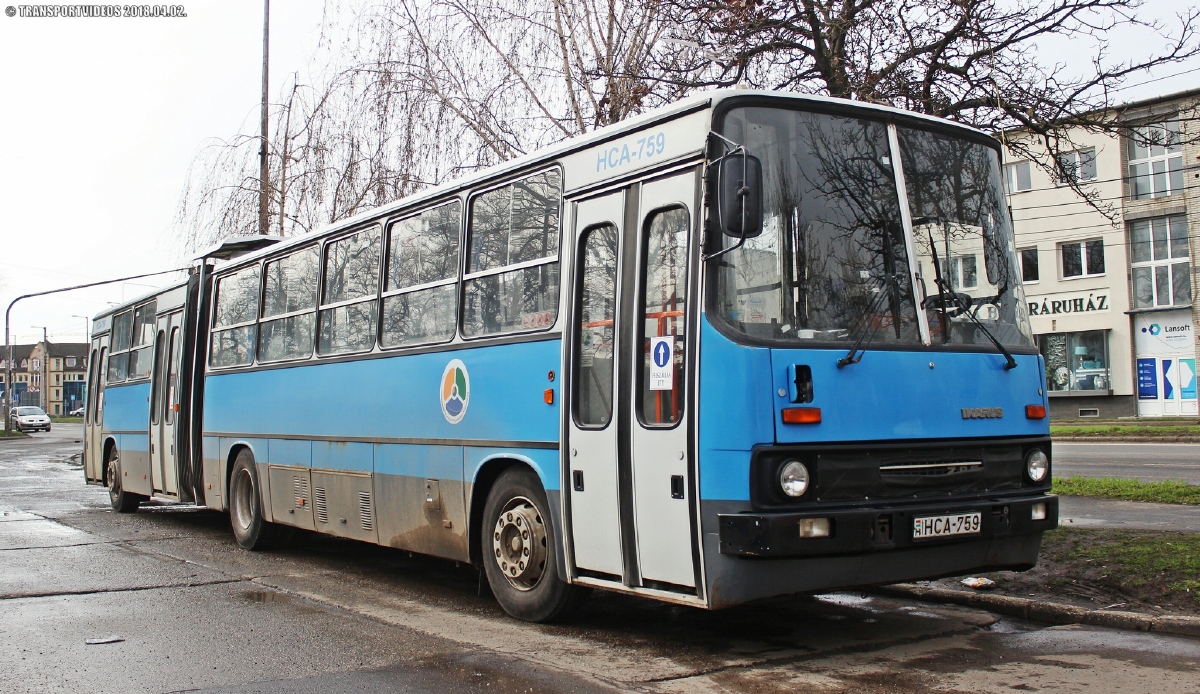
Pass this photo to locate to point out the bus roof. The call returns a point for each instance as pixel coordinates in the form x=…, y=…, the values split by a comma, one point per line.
x=702, y=100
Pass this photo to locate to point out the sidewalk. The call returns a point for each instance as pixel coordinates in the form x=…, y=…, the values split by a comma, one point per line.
x=1085, y=512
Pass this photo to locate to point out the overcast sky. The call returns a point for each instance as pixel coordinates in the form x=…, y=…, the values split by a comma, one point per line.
x=100, y=118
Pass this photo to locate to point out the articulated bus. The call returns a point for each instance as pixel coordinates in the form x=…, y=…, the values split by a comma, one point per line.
x=747, y=345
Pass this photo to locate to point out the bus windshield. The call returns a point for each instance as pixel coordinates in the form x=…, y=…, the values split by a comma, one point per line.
x=833, y=261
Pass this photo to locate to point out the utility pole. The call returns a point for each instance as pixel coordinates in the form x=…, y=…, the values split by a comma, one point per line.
x=263, y=172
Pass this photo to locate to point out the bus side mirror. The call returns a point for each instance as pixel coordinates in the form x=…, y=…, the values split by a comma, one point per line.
x=738, y=195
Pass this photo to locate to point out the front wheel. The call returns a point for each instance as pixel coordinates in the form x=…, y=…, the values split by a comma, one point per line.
x=250, y=529
x=519, y=551
x=121, y=500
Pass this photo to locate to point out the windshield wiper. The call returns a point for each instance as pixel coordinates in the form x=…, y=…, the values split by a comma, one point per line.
x=947, y=298
x=888, y=284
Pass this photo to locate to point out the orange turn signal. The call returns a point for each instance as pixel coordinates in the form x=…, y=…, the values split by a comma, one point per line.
x=548, y=396
x=801, y=415
x=1035, y=411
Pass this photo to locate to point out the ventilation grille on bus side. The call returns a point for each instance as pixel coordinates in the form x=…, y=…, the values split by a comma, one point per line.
x=300, y=491
x=364, y=511
x=319, y=502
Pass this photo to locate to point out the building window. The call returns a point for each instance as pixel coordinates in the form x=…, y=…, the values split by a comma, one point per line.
x=961, y=271
x=70, y=361
x=1082, y=258
x=1159, y=262
x=1029, y=265
x=1077, y=166
x=1076, y=361
x=1017, y=178
x=1155, y=160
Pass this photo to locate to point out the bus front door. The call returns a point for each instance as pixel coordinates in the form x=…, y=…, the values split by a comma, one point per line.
x=629, y=479
x=93, y=415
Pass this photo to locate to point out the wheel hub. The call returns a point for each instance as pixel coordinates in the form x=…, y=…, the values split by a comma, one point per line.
x=519, y=544
x=114, y=478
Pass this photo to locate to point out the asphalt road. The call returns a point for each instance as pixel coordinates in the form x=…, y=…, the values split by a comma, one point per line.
x=1149, y=462
x=197, y=614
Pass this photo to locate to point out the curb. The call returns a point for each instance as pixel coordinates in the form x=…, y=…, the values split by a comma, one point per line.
x=1127, y=439
x=1048, y=612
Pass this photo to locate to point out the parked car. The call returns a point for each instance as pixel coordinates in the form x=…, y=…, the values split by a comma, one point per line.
x=30, y=418
x=77, y=412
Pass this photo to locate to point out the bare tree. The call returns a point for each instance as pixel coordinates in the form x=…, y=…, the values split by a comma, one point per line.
x=420, y=91
x=973, y=61
x=417, y=92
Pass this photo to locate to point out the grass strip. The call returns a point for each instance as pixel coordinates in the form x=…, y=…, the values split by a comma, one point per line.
x=1125, y=430
x=1128, y=490
x=1146, y=562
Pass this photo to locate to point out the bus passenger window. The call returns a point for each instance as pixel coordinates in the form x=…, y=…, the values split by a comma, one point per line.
x=516, y=224
x=141, y=359
x=420, y=303
x=118, y=361
x=349, y=307
x=664, y=301
x=290, y=300
x=233, y=319
x=595, y=339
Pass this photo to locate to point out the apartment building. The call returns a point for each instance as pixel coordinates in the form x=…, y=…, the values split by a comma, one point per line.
x=49, y=375
x=1110, y=291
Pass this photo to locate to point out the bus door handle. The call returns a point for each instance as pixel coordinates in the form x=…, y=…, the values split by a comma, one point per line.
x=577, y=480
x=676, y=486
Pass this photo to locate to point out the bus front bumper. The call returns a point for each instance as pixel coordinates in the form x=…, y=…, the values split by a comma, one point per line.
x=885, y=527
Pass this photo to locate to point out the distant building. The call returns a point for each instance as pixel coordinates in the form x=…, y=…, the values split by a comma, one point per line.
x=49, y=375
x=1112, y=305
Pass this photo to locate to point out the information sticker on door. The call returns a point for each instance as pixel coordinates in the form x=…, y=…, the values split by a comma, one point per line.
x=662, y=363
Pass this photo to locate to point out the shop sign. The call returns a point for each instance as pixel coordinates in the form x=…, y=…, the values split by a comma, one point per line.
x=1061, y=304
x=1168, y=332
x=1147, y=380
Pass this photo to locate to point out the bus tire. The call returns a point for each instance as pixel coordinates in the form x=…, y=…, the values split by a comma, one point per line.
x=250, y=529
x=519, y=551
x=121, y=500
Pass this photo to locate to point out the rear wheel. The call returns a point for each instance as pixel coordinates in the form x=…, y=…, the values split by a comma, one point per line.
x=121, y=500
x=250, y=529
x=520, y=551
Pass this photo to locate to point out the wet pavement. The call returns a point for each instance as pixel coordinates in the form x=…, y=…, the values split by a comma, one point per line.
x=198, y=614
x=1084, y=512
x=1145, y=461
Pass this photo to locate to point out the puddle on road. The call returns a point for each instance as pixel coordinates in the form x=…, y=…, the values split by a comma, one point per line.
x=264, y=596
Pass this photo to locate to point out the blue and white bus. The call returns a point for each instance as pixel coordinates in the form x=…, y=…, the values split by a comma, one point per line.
x=751, y=344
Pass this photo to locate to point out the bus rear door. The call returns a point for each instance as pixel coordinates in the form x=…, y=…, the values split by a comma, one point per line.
x=93, y=422
x=164, y=394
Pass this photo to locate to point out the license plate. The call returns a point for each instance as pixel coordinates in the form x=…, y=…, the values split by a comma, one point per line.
x=946, y=525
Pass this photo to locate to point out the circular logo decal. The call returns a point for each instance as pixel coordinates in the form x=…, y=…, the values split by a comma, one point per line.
x=455, y=391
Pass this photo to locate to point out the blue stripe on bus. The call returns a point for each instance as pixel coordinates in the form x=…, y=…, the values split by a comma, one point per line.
x=127, y=407
x=544, y=462
x=429, y=462
x=397, y=397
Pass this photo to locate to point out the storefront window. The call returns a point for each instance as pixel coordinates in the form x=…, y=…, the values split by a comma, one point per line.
x=1076, y=361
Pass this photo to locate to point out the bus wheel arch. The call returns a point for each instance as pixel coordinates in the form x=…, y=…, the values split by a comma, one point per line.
x=247, y=519
x=109, y=444
x=514, y=540
x=122, y=501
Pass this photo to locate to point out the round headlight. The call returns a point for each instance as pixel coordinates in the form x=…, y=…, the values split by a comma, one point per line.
x=1037, y=465
x=793, y=478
